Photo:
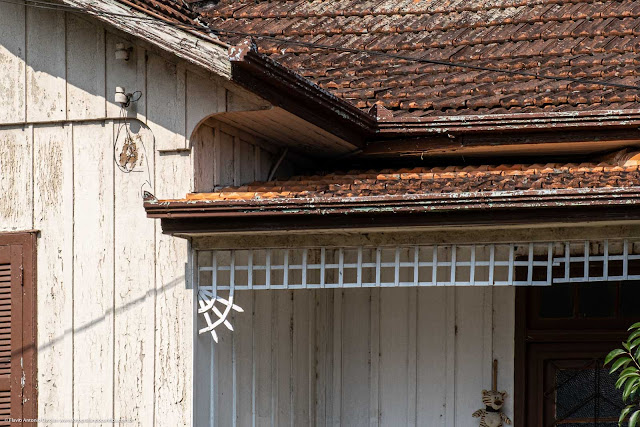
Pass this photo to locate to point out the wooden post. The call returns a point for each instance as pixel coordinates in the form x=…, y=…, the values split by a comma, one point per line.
x=494, y=382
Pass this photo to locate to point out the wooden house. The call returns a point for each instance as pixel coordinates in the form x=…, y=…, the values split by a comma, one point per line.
x=237, y=213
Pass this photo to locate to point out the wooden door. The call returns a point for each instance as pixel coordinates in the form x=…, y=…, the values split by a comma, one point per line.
x=563, y=333
x=17, y=328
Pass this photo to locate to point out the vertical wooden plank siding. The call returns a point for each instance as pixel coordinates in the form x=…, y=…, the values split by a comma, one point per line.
x=16, y=183
x=93, y=273
x=114, y=306
x=12, y=58
x=173, y=320
x=134, y=289
x=46, y=67
x=53, y=212
x=85, y=69
x=432, y=344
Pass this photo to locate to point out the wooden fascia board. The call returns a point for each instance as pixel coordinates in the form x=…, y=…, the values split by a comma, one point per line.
x=201, y=50
x=510, y=122
x=507, y=217
x=419, y=146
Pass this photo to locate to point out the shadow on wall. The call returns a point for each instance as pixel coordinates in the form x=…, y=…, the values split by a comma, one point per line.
x=110, y=312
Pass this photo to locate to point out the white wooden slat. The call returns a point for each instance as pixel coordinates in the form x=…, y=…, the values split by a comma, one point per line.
x=356, y=319
x=336, y=415
x=625, y=258
x=567, y=256
x=53, y=211
x=585, y=273
x=606, y=260
x=16, y=183
x=46, y=73
x=374, y=354
x=431, y=355
x=173, y=299
x=453, y=264
x=12, y=57
x=393, y=376
x=85, y=69
x=412, y=375
x=262, y=354
x=94, y=264
x=134, y=289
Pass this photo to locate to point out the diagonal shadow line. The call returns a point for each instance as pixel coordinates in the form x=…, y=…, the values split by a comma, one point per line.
x=111, y=311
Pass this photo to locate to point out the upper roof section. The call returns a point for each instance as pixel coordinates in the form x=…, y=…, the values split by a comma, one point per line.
x=586, y=39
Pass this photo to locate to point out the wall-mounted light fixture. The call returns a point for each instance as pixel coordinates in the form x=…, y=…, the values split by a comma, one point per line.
x=122, y=52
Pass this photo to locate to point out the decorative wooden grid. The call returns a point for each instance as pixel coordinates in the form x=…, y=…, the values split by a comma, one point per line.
x=487, y=264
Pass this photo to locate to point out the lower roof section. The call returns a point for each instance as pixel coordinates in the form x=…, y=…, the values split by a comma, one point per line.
x=506, y=194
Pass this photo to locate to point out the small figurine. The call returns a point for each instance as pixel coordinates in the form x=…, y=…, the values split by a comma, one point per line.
x=491, y=415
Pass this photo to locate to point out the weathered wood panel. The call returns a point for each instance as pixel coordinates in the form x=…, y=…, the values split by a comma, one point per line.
x=134, y=288
x=204, y=151
x=85, y=68
x=16, y=184
x=403, y=356
x=174, y=304
x=165, y=102
x=93, y=297
x=12, y=62
x=46, y=65
x=53, y=214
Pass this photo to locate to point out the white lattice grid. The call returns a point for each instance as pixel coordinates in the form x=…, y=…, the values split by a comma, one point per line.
x=422, y=265
x=487, y=264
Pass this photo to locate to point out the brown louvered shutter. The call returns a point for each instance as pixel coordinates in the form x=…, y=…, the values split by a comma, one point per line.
x=17, y=333
x=10, y=334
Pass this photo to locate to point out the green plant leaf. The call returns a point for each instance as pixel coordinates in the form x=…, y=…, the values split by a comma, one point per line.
x=634, y=419
x=613, y=354
x=628, y=377
x=637, y=355
x=634, y=326
x=633, y=336
x=625, y=346
x=635, y=343
x=621, y=361
x=624, y=413
x=629, y=388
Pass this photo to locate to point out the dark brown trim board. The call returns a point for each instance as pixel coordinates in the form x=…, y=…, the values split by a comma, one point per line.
x=23, y=245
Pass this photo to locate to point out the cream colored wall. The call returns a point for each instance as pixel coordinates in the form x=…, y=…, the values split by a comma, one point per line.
x=114, y=305
x=358, y=357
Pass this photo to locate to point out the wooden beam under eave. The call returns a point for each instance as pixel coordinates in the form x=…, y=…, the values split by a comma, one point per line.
x=558, y=143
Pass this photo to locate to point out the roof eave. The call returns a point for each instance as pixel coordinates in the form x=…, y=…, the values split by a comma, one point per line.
x=595, y=119
x=287, y=89
x=426, y=209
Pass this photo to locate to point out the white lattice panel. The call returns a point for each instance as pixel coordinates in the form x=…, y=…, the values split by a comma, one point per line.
x=496, y=264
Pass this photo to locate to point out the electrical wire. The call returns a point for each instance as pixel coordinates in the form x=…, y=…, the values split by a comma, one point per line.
x=219, y=31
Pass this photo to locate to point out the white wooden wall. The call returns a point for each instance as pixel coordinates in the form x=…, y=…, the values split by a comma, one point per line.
x=114, y=305
x=358, y=357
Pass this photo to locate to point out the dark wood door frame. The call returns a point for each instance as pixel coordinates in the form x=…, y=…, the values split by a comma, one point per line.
x=533, y=344
x=25, y=242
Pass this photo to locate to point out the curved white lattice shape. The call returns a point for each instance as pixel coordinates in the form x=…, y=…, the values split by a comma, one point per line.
x=215, y=309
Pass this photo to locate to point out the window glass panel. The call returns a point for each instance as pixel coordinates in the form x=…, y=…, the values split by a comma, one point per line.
x=597, y=300
x=556, y=301
x=586, y=394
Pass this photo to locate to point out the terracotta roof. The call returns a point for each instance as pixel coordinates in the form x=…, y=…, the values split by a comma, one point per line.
x=419, y=190
x=588, y=39
x=452, y=179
